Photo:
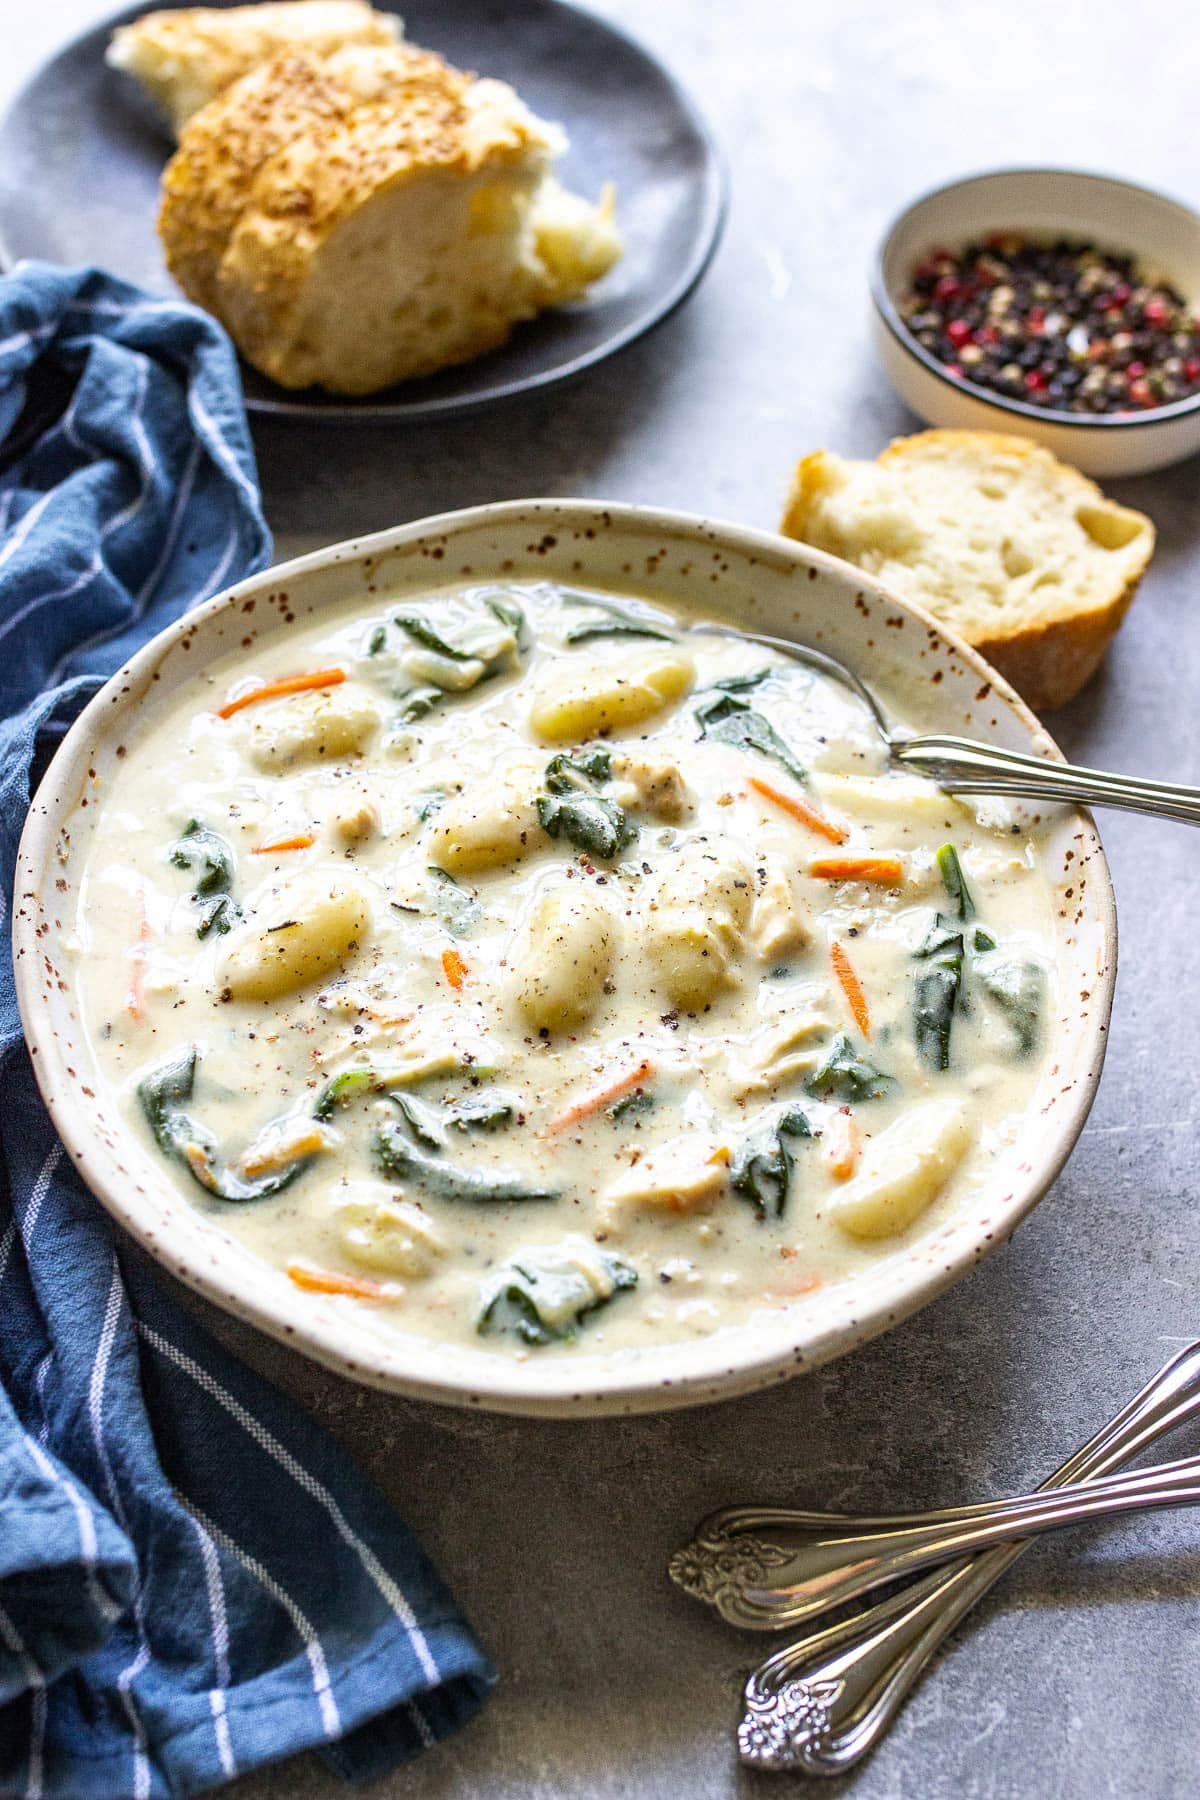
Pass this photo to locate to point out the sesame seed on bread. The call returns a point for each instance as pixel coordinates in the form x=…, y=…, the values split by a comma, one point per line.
x=1017, y=552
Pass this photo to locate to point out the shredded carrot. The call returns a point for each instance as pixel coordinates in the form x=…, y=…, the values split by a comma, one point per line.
x=781, y=1292
x=135, y=996
x=274, y=690
x=387, y=1019
x=602, y=1097
x=798, y=809
x=888, y=871
x=301, y=841
x=852, y=988
x=843, y=1145
x=455, y=969
x=329, y=1281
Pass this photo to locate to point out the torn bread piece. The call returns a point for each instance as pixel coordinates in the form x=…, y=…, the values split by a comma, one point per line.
x=363, y=218
x=1017, y=552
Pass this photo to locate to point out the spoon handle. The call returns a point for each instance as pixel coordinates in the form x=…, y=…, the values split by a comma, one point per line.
x=822, y=1560
x=965, y=767
x=823, y=1702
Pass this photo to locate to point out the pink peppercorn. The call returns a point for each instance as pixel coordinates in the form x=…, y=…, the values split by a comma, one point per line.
x=1140, y=392
x=1135, y=370
x=1191, y=368
x=1156, y=312
x=959, y=333
x=1035, y=381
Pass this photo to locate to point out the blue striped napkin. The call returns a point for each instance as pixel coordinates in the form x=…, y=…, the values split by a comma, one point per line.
x=193, y=1579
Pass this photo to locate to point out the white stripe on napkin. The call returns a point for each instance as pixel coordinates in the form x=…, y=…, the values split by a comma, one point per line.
x=305, y=1630
x=391, y=1592
x=128, y=1675
x=215, y=1587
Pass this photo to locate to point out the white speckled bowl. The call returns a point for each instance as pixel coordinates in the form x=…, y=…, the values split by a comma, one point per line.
x=762, y=580
x=1118, y=215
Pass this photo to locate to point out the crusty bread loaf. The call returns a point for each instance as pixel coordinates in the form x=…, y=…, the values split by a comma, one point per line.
x=373, y=215
x=1019, y=553
x=185, y=59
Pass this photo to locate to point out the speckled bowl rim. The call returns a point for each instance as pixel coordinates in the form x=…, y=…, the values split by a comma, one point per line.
x=135, y=1188
x=885, y=305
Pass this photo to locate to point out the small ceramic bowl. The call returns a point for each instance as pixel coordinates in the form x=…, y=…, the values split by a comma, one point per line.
x=765, y=582
x=1118, y=215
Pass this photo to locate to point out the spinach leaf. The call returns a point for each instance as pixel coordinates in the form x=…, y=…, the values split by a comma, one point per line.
x=955, y=882
x=1019, y=990
x=421, y=1120
x=481, y=1112
x=456, y=906
x=542, y=1295
x=590, y=822
x=418, y=703
x=402, y=1160
x=343, y=1087
x=761, y=1170
x=425, y=805
x=734, y=721
x=593, y=763
x=423, y=633
x=741, y=684
x=938, y=991
x=163, y=1094
x=207, y=856
x=512, y=617
x=377, y=640
x=846, y=1076
x=631, y=1106
x=616, y=621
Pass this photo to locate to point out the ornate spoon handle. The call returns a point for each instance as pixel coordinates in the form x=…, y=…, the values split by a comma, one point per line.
x=818, y=1561
x=821, y=1704
x=966, y=767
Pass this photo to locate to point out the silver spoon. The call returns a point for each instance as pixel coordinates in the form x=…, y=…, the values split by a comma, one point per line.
x=820, y=1704
x=965, y=766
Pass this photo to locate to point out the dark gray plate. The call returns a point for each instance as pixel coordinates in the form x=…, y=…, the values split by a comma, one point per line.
x=79, y=169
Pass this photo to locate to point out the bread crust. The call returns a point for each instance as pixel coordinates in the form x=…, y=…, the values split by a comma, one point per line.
x=1048, y=659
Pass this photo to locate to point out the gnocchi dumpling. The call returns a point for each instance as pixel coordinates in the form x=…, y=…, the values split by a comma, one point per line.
x=582, y=701
x=302, y=931
x=486, y=828
x=563, y=953
x=696, y=922
x=316, y=727
x=904, y=1169
x=380, y=1231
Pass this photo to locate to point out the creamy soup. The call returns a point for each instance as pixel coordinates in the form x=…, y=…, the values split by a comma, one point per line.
x=533, y=967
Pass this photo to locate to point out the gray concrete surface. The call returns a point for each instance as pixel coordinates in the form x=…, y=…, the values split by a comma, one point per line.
x=1078, y=1677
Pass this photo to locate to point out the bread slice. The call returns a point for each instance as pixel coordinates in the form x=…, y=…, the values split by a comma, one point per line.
x=185, y=59
x=1019, y=553
x=372, y=215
